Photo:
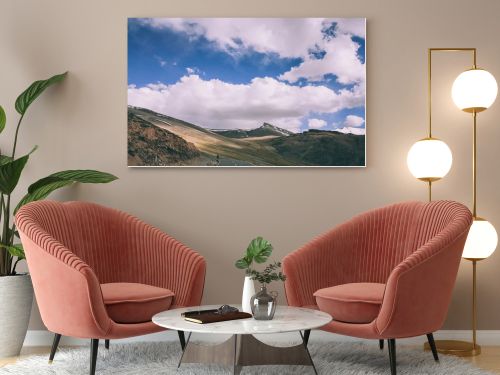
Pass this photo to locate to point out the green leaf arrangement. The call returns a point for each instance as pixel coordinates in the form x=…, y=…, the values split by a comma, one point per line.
x=259, y=250
x=270, y=273
x=11, y=171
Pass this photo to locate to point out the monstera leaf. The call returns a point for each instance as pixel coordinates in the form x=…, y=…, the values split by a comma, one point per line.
x=31, y=93
x=258, y=250
x=242, y=263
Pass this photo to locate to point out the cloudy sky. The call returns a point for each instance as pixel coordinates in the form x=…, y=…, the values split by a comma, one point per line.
x=226, y=73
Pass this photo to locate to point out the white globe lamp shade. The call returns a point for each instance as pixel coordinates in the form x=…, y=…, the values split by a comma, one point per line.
x=429, y=159
x=481, y=241
x=474, y=90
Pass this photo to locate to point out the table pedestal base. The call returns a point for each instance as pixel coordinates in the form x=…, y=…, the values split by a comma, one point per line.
x=246, y=350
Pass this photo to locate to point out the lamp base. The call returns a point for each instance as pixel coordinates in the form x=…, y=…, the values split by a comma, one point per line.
x=456, y=348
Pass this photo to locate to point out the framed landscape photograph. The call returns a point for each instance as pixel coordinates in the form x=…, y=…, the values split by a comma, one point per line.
x=246, y=92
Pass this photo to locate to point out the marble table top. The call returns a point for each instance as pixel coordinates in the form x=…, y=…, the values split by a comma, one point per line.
x=286, y=319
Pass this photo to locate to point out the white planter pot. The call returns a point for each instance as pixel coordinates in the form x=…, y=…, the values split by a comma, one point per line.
x=248, y=292
x=16, y=298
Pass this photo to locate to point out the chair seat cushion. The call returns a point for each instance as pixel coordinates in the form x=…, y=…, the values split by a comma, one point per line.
x=351, y=303
x=135, y=303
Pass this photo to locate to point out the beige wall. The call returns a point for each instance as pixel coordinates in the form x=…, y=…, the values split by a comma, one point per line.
x=82, y=124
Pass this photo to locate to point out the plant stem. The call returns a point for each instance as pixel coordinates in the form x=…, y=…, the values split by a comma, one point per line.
x=13, y=271
x=3, y=252
x=6, y=235
x=12, y=233
x=15, y=137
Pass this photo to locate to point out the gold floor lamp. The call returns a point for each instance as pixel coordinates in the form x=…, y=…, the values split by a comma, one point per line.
x=430, y=159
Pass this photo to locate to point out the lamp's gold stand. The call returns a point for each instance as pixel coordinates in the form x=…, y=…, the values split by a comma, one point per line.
x=429, y=181
x=463, y=348
x=455, y=347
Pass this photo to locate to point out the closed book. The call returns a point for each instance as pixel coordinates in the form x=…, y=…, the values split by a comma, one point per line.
x=196, y=313
x=210, y=317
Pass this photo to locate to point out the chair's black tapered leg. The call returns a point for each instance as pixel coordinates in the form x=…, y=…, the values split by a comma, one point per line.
x=55, y=344
x=182, y=339
x=307, y=333
x=392, y=355
x=106, y=344
x=432, y=344
x=94, y=346
x=381, y=344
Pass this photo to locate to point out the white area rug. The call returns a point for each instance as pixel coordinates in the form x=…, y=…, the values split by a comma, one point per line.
x=162, y=358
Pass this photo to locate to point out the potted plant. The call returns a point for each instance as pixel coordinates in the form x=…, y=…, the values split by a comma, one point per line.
x=258, y=250
x=16, y=291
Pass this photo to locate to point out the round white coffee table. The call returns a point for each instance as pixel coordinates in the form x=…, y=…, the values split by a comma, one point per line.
x=242, y=348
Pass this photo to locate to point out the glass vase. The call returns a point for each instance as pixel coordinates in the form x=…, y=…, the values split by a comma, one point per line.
x=263, y=304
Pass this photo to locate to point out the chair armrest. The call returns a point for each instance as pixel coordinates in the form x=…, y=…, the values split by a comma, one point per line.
x=419, y=289
x=321, y=263
x=165, y=262
x=66, y=289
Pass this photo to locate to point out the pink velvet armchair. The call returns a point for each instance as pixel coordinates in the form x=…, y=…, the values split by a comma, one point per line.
x=99, y=273
x=385, y=274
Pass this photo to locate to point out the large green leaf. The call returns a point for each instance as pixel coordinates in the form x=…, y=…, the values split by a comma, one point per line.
x=31, y=93
x=4, y=159
x=242, y=263
x=43, y=187
x=42, y=193
x=86, y=176
x=259, y=250
x=15, y=250
x=10, y=172
x=3, y=119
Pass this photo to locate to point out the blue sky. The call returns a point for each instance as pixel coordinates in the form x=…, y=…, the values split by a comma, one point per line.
x=169, y=58
x=164, y=55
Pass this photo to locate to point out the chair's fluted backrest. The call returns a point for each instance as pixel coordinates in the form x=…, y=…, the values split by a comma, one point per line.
x=96, y=234
x=386, y=236
x=379, y=243
x=368, y=247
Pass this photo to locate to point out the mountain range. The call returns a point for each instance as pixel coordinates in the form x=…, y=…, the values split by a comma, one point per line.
x=157, y=139
x=262, y=131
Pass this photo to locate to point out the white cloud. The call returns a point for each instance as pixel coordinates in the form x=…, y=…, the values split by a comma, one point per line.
x=348, y=130
x=217, y=104
x=194, y=70
x=278, y=35
x=161, y=61
x=352, y=125
x=354, y=121
x=288, y=37
x=222, y=105
x=157, y=86
x=340, y=59
x=354, y=26
x=316, y=123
